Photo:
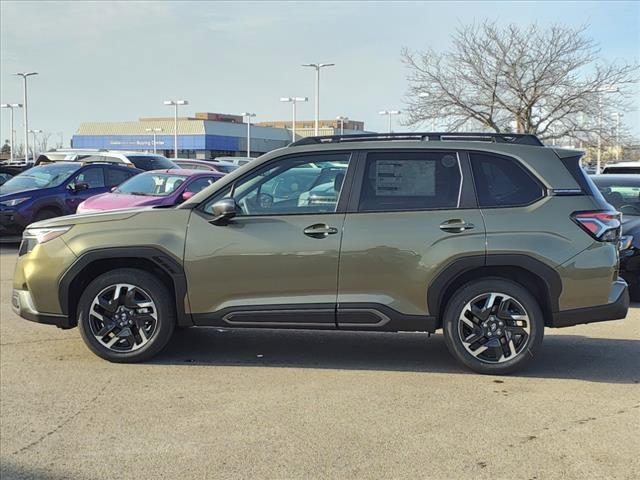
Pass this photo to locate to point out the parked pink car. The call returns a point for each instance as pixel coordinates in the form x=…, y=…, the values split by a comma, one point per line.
x=153, y=188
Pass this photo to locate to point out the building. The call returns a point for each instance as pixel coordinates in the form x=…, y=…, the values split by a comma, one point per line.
x=203, y=136
x=306, y=128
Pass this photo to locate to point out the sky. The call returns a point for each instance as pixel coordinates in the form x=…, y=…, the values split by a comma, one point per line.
x=118, y=61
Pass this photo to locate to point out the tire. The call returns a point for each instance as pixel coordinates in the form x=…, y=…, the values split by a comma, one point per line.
x=634, y=288
x=45, y=214
x=126, y=316
x=503, y=333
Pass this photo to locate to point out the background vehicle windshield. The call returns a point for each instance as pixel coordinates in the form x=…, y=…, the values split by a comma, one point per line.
x=622, y=194
x=153, y=184
x=151, y=162
x=45, y=176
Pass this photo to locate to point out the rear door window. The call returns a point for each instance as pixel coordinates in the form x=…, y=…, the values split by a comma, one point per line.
x=115, y=176
x=503, y=182
x=411, y=181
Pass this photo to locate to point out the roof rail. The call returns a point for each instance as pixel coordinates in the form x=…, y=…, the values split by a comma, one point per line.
x=513, y=138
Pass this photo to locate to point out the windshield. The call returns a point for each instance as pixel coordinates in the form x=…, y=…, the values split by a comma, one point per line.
x=44, y=176
x=151, y=162
x=623, y=194
x=152, y=184
x=225, y=168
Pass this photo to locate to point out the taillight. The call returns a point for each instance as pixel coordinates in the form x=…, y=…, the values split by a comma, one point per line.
x=604, y=226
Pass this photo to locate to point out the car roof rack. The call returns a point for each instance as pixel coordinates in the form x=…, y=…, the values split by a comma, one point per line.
x=512, y=138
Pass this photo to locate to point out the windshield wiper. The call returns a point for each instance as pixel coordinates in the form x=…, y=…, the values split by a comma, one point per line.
x=138, y=193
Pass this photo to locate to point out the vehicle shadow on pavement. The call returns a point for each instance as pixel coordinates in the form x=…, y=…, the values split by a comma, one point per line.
x=562, y=356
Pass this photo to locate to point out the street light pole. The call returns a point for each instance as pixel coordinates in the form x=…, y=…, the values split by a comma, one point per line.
x=389, y=113
x=248, y=116
x=609, y=89
x=154, y=130
x=11, y=106
x=175, y=103
x=618, y=115
x=24, y=76
x=293, y=101
x=34, y=132
x=342, y=120
x=317, y=66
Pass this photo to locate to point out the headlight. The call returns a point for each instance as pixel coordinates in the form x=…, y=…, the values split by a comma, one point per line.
x=44, y=234
x=34, y=236
x=14, y=201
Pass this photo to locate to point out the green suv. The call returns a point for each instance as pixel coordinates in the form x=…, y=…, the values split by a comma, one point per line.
x=489, y=237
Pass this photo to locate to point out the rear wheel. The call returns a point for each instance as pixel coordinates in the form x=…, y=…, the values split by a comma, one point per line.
x=493, y=326
x=126, y=316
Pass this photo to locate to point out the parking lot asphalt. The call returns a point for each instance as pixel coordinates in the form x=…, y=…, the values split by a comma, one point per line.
x=292, y=404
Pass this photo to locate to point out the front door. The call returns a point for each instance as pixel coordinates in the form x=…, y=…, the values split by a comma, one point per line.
x=276, y=262
x=93, y=178
x=411, y=214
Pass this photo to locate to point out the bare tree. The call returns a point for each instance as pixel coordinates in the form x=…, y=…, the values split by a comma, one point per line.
x=43, y=141
x=529, y=80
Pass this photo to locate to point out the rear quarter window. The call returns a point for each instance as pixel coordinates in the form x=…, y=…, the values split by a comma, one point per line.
x=503, y=182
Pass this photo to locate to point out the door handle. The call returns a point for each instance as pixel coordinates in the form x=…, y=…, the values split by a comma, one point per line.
x=456, y=225
x=320, y=230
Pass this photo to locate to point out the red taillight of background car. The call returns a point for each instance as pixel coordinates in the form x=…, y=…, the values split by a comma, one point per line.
x=604, y=226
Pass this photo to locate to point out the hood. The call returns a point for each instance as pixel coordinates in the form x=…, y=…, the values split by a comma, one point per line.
x=114, y=201
x=13, y=190
x=87, y=218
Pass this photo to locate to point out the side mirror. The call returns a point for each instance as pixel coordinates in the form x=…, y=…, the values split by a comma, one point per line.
x=186, y=195
x=224, y=210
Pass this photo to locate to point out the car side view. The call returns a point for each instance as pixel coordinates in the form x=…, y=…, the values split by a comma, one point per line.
x=489, y=237
x=152, y=188
x=55, y=189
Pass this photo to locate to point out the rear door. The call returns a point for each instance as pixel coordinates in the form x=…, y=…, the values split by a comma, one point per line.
x=411, y=213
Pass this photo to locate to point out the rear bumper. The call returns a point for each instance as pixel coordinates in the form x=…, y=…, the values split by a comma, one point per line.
x=615, y=310
x=22, y=304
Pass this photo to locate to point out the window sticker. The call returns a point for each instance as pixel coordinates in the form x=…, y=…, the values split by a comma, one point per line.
x=405, y=178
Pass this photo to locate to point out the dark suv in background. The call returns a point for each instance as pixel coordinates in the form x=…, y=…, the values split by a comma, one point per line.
x=491, y=238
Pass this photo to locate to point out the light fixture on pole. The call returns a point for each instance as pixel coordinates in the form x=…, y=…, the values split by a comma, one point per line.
x=11, y=106
x=24, y=76
x=293, y=101
x=248, y=117
x=433, y=120
x=34, y=133
x=175, y=103
x=342, y=119
x=154, y=131
x=389, y=113
x=607, y=89
x=317, y=66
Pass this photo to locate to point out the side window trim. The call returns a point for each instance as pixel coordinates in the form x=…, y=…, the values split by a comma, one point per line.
x=543, y=188
x=466, y=195
x=342, y=198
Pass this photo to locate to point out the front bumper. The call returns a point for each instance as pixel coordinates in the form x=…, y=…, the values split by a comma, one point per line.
x=12, y=222
x=616, y=309
x=22, y=305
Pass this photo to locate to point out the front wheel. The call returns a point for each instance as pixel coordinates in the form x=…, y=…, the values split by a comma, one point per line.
x=493, y=326
x=126, y=315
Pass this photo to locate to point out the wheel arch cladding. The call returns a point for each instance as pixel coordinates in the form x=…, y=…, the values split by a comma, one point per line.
x=541, y=280
x=96, y=262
